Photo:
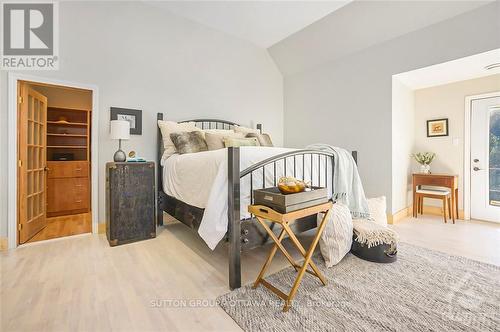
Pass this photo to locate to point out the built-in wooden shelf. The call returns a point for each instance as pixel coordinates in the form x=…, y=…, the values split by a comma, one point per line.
x=66, y=135
x=67, y=146
x=67, y=109
x=64, y=123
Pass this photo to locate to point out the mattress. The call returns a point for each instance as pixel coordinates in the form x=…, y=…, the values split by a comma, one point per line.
x=200, y=179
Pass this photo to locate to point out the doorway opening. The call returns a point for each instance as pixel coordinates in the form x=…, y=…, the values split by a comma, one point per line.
x=436, y=94
x=54, y=126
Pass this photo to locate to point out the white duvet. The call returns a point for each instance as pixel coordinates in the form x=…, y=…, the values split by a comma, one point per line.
x=200, y=179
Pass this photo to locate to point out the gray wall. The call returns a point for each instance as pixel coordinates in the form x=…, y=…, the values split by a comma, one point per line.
x=141, y=57
x=347, y=102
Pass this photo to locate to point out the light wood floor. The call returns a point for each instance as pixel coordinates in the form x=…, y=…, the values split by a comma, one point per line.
x=64, y=226
x=80, y=283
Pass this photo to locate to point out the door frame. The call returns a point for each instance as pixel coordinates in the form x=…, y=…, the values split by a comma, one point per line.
x=467, y=148
x=13, y=78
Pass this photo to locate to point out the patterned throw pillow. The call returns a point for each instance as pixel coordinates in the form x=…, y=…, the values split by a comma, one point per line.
x=336, y=239
x=235, y=142
x=169, y=127
x=264, y=139
x=189, y=142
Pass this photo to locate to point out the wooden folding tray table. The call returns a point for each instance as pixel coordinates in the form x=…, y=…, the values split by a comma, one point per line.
x=263, y=213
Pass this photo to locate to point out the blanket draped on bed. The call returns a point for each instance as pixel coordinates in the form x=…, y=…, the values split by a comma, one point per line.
x=347, y=186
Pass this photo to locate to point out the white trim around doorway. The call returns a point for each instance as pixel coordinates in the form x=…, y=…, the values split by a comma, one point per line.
x=467, y=157
x=13, y=78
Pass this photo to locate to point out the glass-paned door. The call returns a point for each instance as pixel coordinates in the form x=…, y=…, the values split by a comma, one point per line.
x=32, y=162
x=485, y=159
x=494, y=152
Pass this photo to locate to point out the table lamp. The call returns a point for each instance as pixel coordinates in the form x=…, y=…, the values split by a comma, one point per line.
x=120, y=129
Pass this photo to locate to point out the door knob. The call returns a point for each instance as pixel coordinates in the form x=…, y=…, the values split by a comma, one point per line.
x=476, y=160
x=476, y=169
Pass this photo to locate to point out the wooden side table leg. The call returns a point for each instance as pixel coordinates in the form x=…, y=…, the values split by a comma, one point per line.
x=277, y=242
x=444, y=210
x=299, y=246
x=307, y=260
x=455, y=199
x=269, y=259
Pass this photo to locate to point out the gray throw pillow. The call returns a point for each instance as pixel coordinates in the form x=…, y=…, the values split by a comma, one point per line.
x=264, y=139
x=189, y=142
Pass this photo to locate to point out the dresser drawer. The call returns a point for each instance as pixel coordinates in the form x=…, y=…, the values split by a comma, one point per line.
x=67, y=169
x=67, y=194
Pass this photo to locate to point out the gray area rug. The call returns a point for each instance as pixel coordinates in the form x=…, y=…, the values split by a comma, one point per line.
x=424, y=290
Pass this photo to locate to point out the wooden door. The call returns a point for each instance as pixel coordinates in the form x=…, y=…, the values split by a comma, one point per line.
x=32, y=128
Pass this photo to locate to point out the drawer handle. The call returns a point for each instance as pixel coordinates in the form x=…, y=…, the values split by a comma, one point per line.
x=78, y=169
x=78, y=201
x=78, y=185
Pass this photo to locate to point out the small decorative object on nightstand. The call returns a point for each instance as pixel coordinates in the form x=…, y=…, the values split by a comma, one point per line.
x=130, y=202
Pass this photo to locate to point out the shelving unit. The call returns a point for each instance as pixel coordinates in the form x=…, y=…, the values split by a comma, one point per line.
x=68, y=133
x=68, y=161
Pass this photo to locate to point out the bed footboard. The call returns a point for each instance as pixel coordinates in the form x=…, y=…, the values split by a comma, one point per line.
x=245, y=233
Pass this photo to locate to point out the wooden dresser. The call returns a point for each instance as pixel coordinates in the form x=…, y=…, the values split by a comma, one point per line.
x=68, y=185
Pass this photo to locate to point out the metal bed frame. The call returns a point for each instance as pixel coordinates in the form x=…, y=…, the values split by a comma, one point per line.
x=243, y=234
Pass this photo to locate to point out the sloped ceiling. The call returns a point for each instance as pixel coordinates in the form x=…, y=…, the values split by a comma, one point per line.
x=263, y=23
x=359, y=25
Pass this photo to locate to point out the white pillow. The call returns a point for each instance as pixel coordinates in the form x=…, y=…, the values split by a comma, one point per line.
x=219, y=131
x=169, y=127
x=377, y=207
x=245, y=130
x=336, y=239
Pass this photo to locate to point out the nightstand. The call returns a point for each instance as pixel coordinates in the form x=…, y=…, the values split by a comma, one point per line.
x=130, y=202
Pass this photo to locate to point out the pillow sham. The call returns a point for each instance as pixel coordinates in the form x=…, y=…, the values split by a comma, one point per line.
x=169, y=127
x=377, y=207
x=264, y=139
x=189, y=142
x=216, y=141
x=336, y=240
x=245, y=130
x=219, y=131
x=236, y=142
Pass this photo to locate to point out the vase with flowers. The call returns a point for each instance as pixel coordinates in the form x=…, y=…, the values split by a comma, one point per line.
x=424, y=159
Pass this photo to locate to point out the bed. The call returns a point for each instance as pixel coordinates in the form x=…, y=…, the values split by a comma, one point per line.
x=209, y=191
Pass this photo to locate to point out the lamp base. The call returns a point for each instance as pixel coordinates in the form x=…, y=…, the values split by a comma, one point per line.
x=119, y=156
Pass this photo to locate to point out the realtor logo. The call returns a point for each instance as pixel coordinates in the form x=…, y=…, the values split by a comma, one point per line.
x=29, y=37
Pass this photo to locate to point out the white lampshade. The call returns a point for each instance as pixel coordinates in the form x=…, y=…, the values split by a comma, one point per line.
x=120, y=129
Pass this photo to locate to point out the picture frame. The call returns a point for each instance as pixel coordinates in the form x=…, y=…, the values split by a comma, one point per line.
x=133, y=116
x=437, y=127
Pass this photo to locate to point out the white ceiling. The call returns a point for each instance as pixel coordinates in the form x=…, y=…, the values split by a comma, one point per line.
x=361, y=25
x=263, y=23
x=452, y=71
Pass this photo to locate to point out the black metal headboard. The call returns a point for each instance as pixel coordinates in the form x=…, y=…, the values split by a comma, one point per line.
x=212, y=123
x=200, y=123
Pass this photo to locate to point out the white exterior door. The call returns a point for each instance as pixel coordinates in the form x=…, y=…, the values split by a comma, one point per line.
x=485, y=159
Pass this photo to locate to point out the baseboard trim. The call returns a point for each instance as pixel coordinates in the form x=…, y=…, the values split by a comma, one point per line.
x=436, y=211
x=4, y=244
x=101, y=228
x=398, y=216
x=428, y=209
